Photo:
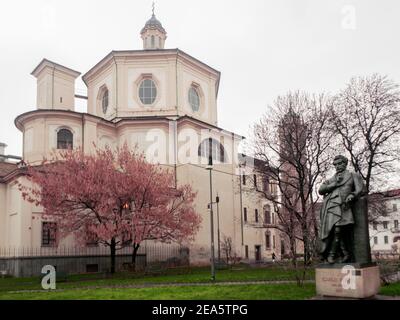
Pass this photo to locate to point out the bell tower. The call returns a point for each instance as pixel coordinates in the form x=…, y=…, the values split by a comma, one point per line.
x=153, y=34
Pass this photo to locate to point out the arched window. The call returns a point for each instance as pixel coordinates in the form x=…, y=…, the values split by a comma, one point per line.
x=65, y=139
x=153, y=44
x=104, y=100
x=212, y=147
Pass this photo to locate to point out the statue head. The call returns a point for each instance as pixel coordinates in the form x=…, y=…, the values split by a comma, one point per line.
x=340, y=162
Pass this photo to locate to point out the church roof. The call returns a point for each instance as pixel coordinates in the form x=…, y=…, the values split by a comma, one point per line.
x=153, y=23
x=6, y=168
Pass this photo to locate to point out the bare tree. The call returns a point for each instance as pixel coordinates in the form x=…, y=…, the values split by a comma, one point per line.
x=227, y=249
x=293, y=142
x=366, y=117
x=377, y=207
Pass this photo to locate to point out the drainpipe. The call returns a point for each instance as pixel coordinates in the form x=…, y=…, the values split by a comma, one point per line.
x=241, y=203
x=83, y=133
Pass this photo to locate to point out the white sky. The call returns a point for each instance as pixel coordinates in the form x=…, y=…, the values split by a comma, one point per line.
x=263, y=48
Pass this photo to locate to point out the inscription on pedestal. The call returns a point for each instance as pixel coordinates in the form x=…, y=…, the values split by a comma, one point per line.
x=348, y=282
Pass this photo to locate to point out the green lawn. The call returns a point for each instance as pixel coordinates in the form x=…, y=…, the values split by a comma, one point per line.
x=95, y=286
x=182, y=275
x=237, y=292
x=391, y=290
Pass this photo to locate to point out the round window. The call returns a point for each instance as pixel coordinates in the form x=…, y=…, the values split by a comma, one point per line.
x=194, y=99
x=147, y=91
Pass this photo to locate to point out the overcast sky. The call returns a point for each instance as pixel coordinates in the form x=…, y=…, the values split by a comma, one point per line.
x=263, y=48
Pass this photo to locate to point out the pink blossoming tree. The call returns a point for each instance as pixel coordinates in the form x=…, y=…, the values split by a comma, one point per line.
x=116, y=199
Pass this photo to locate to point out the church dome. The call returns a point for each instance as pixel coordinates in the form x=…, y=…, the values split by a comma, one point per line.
x=153, y=23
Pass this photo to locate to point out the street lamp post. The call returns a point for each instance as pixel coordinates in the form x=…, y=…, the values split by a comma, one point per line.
x=219, y=239
x=210, y=167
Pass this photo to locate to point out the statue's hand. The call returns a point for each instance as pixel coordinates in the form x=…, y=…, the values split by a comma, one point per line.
x=349, y=198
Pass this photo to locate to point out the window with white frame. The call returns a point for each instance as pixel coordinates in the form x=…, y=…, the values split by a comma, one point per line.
x=49, y=234
x=147, y=91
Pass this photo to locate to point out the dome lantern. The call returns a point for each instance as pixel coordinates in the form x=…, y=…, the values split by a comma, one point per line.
x=153, y=34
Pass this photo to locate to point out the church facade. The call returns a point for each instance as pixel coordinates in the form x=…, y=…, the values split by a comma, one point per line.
x=164, y=103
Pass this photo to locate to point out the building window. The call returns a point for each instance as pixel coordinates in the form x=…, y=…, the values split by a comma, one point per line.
x=386, y=239
x=255, y=181
x=374, y=226
x=64, y=139
x=385, y=224
x=104, y=101
x=194, y=99
x=92, y=239
x=273, y=188
x=396, y=224
x=245, y=214
x=267, y=241
x=147, y=91
x=212, y=147
x=267, y=217
x=375, y=240
x=394, y=206
x=256, y=215
x=244, y=179
x=49, y=234
x=246, y=251
x=273, y=242
x=153, y=42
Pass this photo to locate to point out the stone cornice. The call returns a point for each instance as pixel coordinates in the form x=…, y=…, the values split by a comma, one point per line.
x=40, y=113
x=116, y=122
x=117, y=55
x=49, y=64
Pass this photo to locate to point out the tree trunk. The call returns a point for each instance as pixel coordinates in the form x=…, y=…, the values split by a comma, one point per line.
x=134, y=255
x=112, y=254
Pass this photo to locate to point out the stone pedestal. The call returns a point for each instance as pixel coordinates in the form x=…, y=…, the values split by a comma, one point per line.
x=348, y=280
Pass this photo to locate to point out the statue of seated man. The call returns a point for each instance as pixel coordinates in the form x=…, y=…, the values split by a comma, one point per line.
x=337, y=216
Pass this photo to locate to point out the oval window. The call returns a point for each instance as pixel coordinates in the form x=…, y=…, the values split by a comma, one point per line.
x=104, y=101
x=147, y=91
x=194, y=99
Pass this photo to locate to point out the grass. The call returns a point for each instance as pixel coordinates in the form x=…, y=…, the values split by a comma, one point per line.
x=237, y=292
x=180, y=275
x=97, y=286
x=391, y=290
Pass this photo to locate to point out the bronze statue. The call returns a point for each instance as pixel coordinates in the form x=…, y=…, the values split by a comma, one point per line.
x=344, y=224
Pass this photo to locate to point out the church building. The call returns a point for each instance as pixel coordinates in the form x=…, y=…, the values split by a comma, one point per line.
x=163, y=102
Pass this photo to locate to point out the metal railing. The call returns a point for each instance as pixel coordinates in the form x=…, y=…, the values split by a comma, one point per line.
x=22, y=261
